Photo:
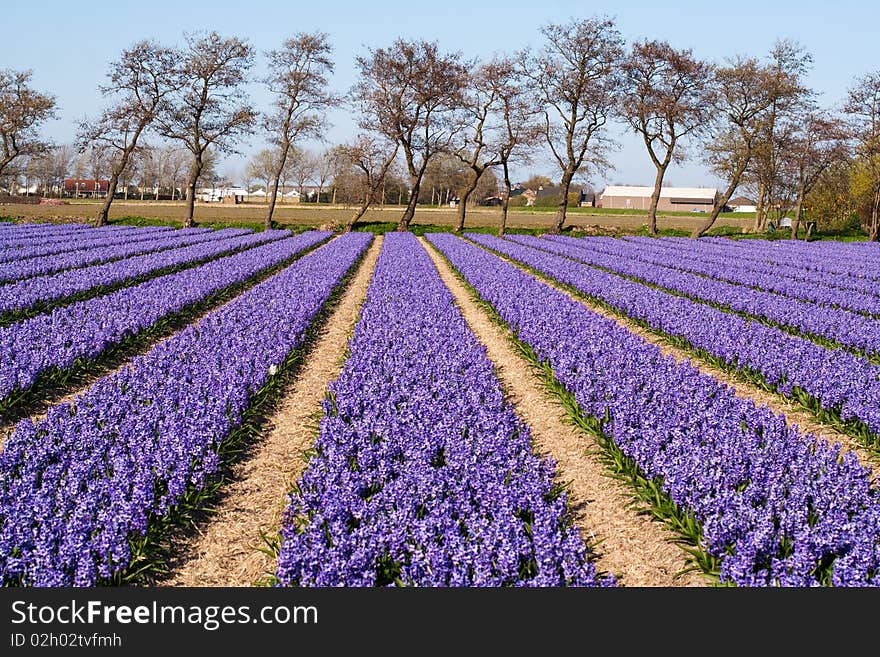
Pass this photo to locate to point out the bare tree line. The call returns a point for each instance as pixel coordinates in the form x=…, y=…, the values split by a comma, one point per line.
x=421, y=110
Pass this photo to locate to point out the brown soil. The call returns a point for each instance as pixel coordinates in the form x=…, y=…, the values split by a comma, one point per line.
x=227, y=551
x=636, y=549
x=591, y=220
x=794, y=413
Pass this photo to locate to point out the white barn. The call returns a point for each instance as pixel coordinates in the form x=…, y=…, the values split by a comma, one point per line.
x=672, y=199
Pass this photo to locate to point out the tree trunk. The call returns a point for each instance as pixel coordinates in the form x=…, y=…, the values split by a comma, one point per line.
x=796, y=222
x=410, y=211
x=563, y=202
x=874, y=235
x=104, y=212
x=655, y=200
x=6, y=160
x=267, y=224
x=462, y=203
x=362, y=210
x=759, y=224
x=701, y=229
x=195, y=172
x=505, y=201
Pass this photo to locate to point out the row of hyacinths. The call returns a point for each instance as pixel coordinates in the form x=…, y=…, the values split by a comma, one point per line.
x=832, y=257
x=776, y=507
x=87, y=255
x=840, y=382
x=826, y=322
x=27, y=293
x=16, y=235
x=422, y=474
x=722, y=263
x=78, y=485
x=55, y=341
x=99, y=237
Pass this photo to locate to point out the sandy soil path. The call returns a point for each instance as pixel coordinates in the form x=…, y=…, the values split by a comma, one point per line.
x=633, y=547
x=226, y=552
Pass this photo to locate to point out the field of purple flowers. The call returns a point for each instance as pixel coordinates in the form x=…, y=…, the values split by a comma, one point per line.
x=137, y=365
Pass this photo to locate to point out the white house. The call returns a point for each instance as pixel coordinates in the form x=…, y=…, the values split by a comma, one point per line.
x=29, y=190
x=742, y=204
x=217, y=194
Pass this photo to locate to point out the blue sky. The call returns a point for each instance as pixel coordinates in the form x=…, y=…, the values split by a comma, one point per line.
x=69, y=45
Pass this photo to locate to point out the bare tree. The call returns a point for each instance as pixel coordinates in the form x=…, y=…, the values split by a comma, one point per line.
x=98, y=161
x=139, y=82
x=863, y=110
x=150, y=171
x=743, y=99
x=338, y=166
x=479, y=153
x=61, y=160
x=325, y=166
x=577, y=77
x=22, y=111
x=79, y=172
x=515, y=127
x=300, y=169
x=262, y=167
x=209, y=110
x=299, y=79
x=788, y=63
x=371, y=158
x=820, y=142
x=409, y=93
x=445, y=176
x=33, y=174
x=173, y=161
x=667, y=99
x=41, y=171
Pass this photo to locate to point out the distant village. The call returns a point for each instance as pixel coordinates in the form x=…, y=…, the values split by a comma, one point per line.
x=617, y=197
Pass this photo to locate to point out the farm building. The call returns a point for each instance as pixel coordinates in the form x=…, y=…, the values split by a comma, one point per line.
x=232, y=195
x=79, y=188
x=742, y=204
x=672, y=199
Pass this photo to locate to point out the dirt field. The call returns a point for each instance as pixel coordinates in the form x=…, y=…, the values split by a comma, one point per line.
x=332, y=215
